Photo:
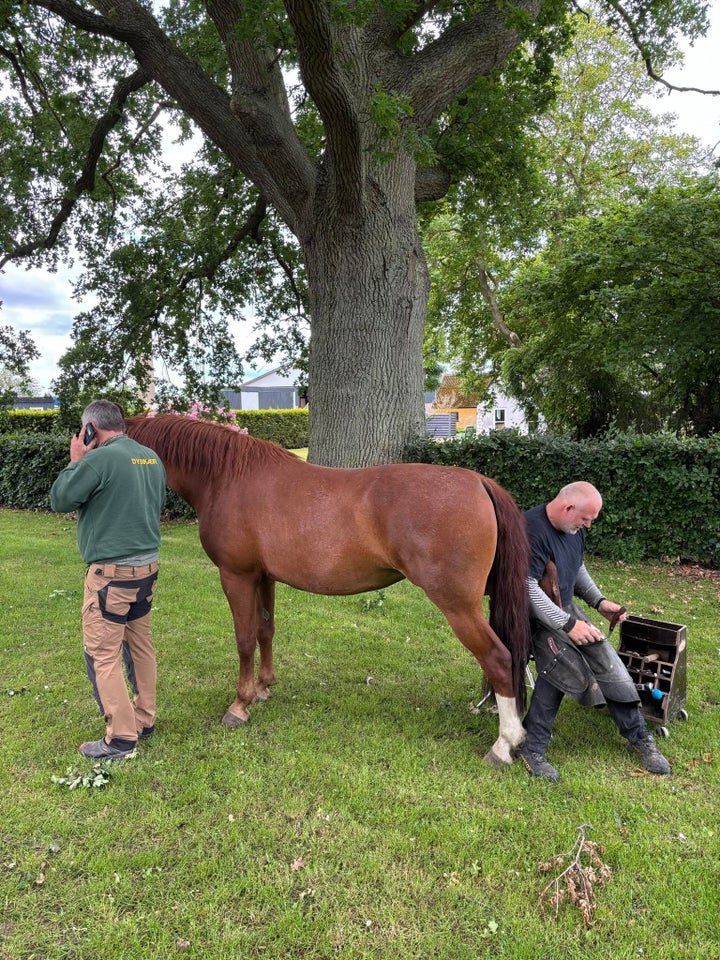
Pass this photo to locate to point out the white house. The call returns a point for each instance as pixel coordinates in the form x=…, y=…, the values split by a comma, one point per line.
x=270, y=390
x=503, y=414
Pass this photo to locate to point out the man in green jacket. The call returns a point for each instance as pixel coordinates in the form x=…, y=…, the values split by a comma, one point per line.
x=117, y=488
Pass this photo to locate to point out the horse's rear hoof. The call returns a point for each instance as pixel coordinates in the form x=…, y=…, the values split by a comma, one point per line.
x=233, y=720
x=493, y=760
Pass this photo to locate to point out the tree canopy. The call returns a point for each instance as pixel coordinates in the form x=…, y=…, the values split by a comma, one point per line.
x=620, y=322
x=323, y=123
x=17, y=350
x=593, y=157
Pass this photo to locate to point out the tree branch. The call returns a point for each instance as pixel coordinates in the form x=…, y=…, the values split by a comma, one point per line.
x=289, y=275
x=285, y=175
x=85, y=183
x=389, y=29
x=37, y=81
x=498, y=318
x=80, y=17
x=18, y=70
x=260, y=103
x=256, y=73
x=462, y=53
x=320, y=48
x=431, y=183
x=251, y=228
x=644, y=53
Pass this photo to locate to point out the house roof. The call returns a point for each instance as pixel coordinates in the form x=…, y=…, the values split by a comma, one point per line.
x=259, y=376
x=291, y=377
x=450, y=394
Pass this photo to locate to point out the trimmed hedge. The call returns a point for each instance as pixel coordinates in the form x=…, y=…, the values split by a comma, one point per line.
x=661, y=495
x=31, y=458
x=288, y=428
x=29, y=463
x=38, y=421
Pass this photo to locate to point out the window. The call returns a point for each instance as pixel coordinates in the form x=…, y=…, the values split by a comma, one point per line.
x=499, y=419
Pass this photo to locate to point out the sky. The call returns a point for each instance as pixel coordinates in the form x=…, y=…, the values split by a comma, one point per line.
x=42, y=303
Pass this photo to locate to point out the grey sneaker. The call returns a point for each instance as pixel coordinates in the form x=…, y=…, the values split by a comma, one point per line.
x=102, y=750
x=537, y=764
x=650, y=756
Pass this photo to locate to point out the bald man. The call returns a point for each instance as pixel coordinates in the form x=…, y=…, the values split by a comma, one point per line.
x=571, y=655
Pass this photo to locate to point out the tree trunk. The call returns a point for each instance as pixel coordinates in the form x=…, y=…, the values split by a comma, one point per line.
x=369, y=286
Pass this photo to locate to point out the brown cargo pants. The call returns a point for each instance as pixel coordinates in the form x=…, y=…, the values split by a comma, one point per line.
x=116, y=620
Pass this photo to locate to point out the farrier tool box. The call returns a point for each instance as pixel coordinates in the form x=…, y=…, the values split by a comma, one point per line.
x=655, y=655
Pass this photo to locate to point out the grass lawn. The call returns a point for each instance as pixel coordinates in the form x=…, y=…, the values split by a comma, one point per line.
x=353, y=816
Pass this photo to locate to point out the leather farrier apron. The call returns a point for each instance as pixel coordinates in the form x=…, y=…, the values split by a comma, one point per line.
x=590, y=674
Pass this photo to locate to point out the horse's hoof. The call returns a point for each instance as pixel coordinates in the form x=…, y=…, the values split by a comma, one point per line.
x=233, y=720
x=261, y=695
x=492, y=759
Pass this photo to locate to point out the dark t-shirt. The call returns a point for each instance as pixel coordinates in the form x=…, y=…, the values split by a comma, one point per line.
x=566, y=550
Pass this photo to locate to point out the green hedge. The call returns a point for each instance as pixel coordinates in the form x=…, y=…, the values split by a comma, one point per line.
x=29, y=463
x=288, y=428
x=661, y=495
x=38, y=421
x=30, y=459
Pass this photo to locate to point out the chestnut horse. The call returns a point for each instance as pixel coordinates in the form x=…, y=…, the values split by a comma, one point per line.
x=265, y=515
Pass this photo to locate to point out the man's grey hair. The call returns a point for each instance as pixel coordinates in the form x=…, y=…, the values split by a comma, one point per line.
x=105, y=415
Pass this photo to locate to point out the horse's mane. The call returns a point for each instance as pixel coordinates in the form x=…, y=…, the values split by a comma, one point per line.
x=202, y=447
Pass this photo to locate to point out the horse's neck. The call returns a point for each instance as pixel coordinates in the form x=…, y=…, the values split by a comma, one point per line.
x=186, y=486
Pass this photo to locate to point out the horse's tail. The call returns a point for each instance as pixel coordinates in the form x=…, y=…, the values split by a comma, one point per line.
x=507, y=584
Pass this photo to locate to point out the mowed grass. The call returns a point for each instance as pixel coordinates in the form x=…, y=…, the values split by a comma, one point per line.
x=353, y=816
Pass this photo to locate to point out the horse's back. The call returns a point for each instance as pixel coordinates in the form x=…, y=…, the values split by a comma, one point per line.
x=374, y=525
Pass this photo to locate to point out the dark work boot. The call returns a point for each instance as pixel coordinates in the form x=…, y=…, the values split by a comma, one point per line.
x=650, y=756
x=537, y=764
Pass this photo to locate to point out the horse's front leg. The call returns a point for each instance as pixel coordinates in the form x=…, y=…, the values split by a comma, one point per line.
x=240, y=590
x=265, y=633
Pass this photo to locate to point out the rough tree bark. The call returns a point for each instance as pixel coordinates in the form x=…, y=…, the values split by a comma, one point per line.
x=370, y=288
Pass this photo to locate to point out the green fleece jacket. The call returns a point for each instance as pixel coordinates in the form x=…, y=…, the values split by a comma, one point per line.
x=118, y=491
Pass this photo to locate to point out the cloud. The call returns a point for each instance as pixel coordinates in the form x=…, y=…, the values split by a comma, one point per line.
x=41, y=302
x=52, y=324
x=30, y=290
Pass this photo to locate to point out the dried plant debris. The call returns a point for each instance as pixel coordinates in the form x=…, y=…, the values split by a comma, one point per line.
x=578, y=880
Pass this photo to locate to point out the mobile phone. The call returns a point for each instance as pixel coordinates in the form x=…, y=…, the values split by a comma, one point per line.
x=89, y=435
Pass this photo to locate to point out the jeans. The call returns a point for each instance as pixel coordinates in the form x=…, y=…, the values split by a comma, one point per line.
x=545, y=703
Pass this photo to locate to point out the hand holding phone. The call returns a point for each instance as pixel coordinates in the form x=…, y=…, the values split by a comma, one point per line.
x=89, y=435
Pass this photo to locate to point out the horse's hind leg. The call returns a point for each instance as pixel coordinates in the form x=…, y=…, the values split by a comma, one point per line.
x=241, y=595
x=265, y=633
x=510, y=735
x=474, y=632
